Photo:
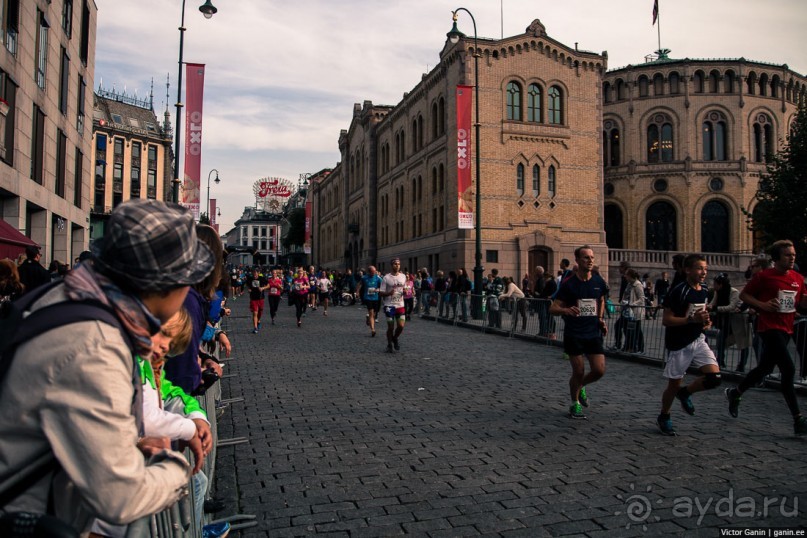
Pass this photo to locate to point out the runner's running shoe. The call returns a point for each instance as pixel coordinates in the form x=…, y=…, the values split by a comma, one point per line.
x=583, y=397
x=665, y=425
x=576, y=411
x=734, y=401
x=686, y=402
x=800, y=426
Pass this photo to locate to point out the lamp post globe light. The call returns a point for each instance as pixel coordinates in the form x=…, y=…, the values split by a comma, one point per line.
x=454, y=36
x=208, y=10
x=217, y=181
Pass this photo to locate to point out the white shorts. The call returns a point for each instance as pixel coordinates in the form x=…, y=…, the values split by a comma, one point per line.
x=697, y=354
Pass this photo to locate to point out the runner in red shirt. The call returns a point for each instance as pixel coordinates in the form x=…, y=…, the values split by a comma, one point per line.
x=774, y=294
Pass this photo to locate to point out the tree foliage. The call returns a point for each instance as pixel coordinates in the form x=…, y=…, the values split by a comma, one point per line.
x=296, y=234
x=781, y=211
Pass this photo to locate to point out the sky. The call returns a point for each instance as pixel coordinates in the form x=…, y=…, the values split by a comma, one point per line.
x=282, y=76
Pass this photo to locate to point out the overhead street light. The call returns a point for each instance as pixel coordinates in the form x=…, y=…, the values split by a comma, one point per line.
x=208, y=10
x=217, y=181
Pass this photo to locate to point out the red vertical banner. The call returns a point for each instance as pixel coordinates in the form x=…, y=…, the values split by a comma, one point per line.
x=194, y=97
x=465, y=195
x=213, y=219
x=307, y=244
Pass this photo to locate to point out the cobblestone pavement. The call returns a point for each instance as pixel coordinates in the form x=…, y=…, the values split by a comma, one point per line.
x=465, y=434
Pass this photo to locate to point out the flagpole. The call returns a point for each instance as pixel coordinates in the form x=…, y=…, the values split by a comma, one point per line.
x=658, y=21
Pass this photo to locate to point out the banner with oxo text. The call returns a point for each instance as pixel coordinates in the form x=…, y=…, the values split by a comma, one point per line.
x=194, y=91
x=465, y=195
x=307, y=243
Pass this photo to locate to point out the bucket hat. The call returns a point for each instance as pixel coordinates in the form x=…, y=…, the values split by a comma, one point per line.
x=150, y=245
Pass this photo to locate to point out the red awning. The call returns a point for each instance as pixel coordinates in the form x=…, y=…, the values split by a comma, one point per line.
x=12, y=242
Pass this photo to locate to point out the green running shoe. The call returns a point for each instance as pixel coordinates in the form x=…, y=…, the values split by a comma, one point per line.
x=686, y=403
x=583, y=397
x=576, y=411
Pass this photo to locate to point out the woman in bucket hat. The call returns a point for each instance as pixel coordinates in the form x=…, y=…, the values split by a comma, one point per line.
x=71, y=393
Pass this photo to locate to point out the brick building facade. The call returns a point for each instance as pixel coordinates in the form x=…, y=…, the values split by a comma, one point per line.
x=394, y=193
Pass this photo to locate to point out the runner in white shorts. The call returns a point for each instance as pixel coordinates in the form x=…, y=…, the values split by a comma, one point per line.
x=685, y=319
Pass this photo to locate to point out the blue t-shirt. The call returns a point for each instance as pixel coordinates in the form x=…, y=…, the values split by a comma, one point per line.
x=581, y=293
x=679, y=300
x=370, y=286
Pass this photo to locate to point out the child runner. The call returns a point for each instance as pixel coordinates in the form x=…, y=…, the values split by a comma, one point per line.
x=685, y=319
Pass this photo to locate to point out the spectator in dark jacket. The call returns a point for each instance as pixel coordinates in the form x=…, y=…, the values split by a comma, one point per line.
x=32, y=274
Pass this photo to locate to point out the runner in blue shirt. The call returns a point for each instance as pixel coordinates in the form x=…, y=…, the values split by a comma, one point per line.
x=581, y=301
x=369, y=286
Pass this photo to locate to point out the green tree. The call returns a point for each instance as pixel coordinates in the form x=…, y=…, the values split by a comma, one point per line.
x=296, y=234
x=781, y=211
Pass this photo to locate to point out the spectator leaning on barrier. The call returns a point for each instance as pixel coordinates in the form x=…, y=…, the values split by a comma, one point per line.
x=72, y=397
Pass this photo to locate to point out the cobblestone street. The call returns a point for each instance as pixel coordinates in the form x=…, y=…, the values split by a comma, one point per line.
x=464, y=434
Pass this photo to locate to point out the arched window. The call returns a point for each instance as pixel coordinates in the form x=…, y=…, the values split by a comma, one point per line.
x=763, y=138
x=660, y=139
x=621, y=90
x=534, y=103
x=606, y=92
x=751, y=82
x=715, y=227
x=434, y=180
x=728, y=81
x=775, y=83
x=660, y=227
x=441, y=112
x=513, y=101
x=610, y=143
x=555, y=106
x=675, y=83
x=714, y=137
x=434, y=121
x=697, y=79
x=520, y=179
x=763, y=84
x=714, y=81
x=613, y=226
x=643, y=86
x=658, y=84
x=536, y=180
x=551, y=182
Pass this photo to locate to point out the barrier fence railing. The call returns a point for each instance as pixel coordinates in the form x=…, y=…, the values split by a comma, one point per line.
x=180, y=520
x=632, y=331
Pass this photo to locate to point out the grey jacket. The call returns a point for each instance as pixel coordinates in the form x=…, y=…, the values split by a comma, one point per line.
x=69, y=392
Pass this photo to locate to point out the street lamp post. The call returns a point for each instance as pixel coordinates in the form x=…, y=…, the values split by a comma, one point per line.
x=454, y=36
x=208, y=10
x=217, y=181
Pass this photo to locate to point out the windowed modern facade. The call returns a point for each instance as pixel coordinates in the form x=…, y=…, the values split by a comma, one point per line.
x=45, y=163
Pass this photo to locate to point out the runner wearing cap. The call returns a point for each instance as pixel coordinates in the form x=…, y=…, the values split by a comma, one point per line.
x=392, y=290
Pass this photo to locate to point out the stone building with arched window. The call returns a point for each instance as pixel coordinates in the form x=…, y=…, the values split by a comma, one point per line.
x=684, y=144
x=394, y=192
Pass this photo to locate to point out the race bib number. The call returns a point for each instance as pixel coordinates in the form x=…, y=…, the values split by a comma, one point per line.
x=787, y=301
x=588, y=307
x=297, y=286
x=695, y=308
x=274, y=291
x=372, y=291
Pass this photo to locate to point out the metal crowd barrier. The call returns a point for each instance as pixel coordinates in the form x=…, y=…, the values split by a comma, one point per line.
x=643, y=337
x=179, y=521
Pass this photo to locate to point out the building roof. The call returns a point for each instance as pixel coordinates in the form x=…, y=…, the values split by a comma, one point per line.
x=666, y=61
x=122, y=113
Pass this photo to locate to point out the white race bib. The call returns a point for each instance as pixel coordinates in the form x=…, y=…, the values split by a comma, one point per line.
x=787, y=301
x=695, y=308
x=372, y=291
x=587, y=307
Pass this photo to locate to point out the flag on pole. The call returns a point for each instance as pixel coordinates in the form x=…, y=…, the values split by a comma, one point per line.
x=655, y=11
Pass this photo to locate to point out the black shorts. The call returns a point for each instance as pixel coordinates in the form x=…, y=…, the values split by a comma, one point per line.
x=374, y=305
x=582, y=346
